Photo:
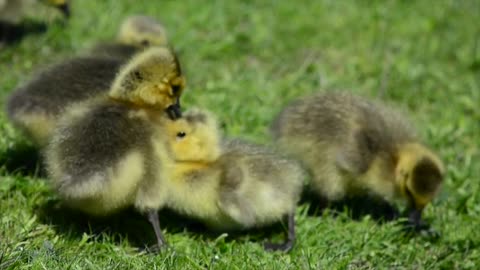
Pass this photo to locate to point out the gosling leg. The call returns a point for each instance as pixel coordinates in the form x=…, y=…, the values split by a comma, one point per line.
x=154, y=220
x=289, y=242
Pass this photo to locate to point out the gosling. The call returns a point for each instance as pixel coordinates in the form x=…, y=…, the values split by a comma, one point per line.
x=36, y=106
x=102, y=148
x=136, y=33
x=12, y=11
x=353, y=146
x=228, y=184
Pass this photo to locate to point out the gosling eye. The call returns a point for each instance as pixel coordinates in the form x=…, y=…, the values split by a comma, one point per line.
x=145, y=42
x=181, y=135
x=176, y=89
x=137, y=75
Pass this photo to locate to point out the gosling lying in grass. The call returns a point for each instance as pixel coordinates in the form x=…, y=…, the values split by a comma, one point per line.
x=36, y=106
x=353, y=146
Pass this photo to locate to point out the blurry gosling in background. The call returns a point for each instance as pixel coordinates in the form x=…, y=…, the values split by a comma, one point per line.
x=36, y=106
x=12, y=11
x=136, y=33
x=102, y=152
x=355, y=146
x=229, y=185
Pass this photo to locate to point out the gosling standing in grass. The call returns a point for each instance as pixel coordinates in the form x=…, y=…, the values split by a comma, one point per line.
x=36, y=106
x=102, y=155
x=352, y=145
x=229, y=185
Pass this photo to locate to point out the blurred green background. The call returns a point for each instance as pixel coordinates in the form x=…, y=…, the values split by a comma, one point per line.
x=244, y=60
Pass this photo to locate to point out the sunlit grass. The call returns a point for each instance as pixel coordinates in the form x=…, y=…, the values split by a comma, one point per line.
x=244, y=61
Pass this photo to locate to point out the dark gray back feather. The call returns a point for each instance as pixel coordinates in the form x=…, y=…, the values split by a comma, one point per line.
x=115, y=50
x=51, y=90
x=361, y=128
x=100, y=139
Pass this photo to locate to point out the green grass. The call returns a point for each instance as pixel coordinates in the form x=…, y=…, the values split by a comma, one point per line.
x=245, y=60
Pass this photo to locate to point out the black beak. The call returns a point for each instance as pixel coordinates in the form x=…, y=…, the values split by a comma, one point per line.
x=415, y=221
x=65, y=9
x=178, y=102
x=417, y=225
x=415, y=217
x=174, y=111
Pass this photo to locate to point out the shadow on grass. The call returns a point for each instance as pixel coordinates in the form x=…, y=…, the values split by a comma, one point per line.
x=23, y=159
x=135, y=227
x=13, y=33
x=379, y=210
x=356, y=207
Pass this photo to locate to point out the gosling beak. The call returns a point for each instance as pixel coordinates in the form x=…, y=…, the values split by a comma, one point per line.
x=415, y=217
x=65, y=9
x=178, y=102
x=174, y=111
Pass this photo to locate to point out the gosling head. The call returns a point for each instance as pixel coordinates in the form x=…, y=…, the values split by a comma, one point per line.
x=152, y=78
x=62, y=5
x=419, y=175
x=194, y=137
x=142, y=31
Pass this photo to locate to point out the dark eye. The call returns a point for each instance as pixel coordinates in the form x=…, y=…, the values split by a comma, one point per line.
x=138, y=75
x=176, y=89
x=181, y=135
x=145, y=42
